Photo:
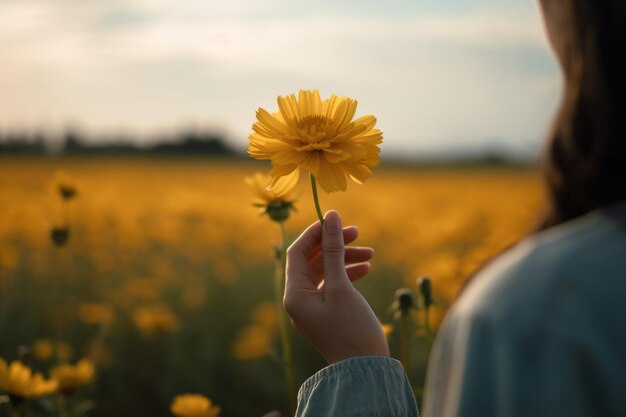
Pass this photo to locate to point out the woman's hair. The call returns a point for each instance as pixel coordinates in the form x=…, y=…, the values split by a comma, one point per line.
x=585, y=155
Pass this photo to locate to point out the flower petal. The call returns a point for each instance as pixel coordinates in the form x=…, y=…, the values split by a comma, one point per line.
x=274, y=126
x=344, y=114
x=331, y=177
x=283, y=184
x=336, y=155
x=289, y=109
x=358, y=173
x=280, y=170
x=311, y=163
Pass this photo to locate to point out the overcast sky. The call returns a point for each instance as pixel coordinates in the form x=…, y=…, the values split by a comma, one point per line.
x=438, y=74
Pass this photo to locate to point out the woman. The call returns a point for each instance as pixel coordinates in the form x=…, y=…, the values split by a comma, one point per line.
x=541, y=330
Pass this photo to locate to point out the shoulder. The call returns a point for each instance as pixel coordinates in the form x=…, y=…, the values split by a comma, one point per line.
x=585, y=257
x=536, y=326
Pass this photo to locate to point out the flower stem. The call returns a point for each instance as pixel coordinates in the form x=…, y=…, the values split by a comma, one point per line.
x=430, y=335
x=405, y=336
x=62, y=405
x=316, y=198
x=279, y=281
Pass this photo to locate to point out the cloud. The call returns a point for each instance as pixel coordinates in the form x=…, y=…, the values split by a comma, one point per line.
x=431, y=77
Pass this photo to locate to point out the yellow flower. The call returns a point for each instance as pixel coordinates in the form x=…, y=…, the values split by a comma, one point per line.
x=194, y=405
x=46, y=349
x=155, y=319
x=277, y=206
x=255, y=341
x=96, y=313
x=17, y=380
x=72, y=377
x=316, y=136
x=265, y=315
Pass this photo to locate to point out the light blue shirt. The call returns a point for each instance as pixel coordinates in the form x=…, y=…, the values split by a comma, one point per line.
x=541, y=331
x=363, y=386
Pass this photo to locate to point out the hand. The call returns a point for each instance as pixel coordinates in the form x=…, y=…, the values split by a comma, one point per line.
x=319, y=296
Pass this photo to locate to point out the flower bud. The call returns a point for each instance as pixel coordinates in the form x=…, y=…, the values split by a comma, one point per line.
x=279, y=210
x=403, y=303
x=426, y=291
x=66, y=191
x=24, y=354
x=60, y=235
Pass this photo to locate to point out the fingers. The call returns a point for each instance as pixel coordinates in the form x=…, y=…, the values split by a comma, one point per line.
x=355, y=272
x=305, y=262
x=358, y=271
x=297, y=259
x=333, y=252
x=350, y=233
x=353, y=255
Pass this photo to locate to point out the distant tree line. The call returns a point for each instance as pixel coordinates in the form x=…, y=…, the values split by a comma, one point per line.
x=73, y=143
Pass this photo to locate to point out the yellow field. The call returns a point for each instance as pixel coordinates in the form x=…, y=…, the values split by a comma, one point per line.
x=166, y=280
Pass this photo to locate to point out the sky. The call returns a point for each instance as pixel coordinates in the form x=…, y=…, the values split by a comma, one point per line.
x=439, y=75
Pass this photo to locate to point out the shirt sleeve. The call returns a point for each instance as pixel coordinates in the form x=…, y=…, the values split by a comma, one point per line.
x=373, y=386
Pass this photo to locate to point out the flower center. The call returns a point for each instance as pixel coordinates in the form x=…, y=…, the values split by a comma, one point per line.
x=313, y=129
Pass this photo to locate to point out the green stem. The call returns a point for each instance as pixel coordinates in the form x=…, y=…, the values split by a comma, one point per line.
x=66, y=213
x=316, y=198
x=430, y=335
x=279, y=281
x=405, y=335
x=63, y=408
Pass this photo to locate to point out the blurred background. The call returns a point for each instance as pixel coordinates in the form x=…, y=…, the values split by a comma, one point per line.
x=157, y=268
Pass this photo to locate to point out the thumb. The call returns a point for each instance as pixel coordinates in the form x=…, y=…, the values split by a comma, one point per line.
x=333, y=251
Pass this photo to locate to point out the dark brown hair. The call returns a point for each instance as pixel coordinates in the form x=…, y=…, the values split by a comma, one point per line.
x=585, y=156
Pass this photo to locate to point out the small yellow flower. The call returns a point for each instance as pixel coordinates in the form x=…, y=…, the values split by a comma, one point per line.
x=253, y=342
x=46, y=349
x=194, y=405
x=265, y=315
x=316, y=136
x=96, y=313
x=155, y=319
x=72, y=377
x=17, y=380
x=277, y=206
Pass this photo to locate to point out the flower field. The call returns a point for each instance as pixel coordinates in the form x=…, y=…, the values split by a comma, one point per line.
x=155, y=278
